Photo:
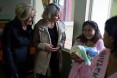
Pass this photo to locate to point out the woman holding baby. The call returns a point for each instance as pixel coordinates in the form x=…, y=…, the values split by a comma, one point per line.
x=90, y=37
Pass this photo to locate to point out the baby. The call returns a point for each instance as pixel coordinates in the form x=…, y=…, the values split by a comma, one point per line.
x=84, y=52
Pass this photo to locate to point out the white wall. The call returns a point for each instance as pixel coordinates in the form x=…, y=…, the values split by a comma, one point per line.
x=39, y=9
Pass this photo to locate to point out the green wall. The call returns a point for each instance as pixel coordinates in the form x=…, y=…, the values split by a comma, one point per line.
x=114, y=8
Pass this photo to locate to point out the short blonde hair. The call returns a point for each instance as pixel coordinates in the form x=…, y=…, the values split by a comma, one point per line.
x=23, y=11
x=50, y=9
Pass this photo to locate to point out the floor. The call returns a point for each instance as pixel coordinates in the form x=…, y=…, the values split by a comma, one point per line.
x=3, y=76
x=64, y=73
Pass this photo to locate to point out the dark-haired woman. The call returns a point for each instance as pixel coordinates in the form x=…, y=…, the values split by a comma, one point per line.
x=17, y=36
x=106, y=62
x=90, y=37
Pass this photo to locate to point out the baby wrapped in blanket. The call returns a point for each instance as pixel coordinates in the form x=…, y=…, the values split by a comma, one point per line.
x=84, y=52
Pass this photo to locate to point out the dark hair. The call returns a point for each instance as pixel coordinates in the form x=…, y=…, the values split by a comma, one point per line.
x=97, y=35
x=111, y=29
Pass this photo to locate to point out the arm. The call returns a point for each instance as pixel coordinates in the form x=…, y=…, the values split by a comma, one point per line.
x=74, y=56
x=100, y=45
x=7, y=48
x=61, y=33
x=62, y=41
x=37, y=38
x=41, y=38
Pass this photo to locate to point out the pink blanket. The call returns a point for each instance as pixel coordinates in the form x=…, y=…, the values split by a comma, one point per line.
x=100, y=64
x=79, y=70
x=96, y=70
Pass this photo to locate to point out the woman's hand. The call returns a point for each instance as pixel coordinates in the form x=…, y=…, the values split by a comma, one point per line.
x=58, y=47
x=51, y=48
x=75, y=57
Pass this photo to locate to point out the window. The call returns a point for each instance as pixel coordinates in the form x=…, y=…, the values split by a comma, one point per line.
x=67, y=16
x=101, y=12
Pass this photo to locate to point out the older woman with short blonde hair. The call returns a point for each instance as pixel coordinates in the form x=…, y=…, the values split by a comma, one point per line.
x=17, y=37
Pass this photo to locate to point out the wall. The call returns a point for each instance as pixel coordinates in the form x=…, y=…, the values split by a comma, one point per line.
x=8, y=8
x=39, y=9
x=79, y=17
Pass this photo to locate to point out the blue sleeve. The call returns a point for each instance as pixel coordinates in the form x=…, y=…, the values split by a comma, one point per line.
x=23, y=39
x=6, y=49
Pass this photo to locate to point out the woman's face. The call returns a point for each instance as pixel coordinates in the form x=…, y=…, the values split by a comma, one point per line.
x=55, y=17
x=30, y=19
x=107, y=40
x=88, y=32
